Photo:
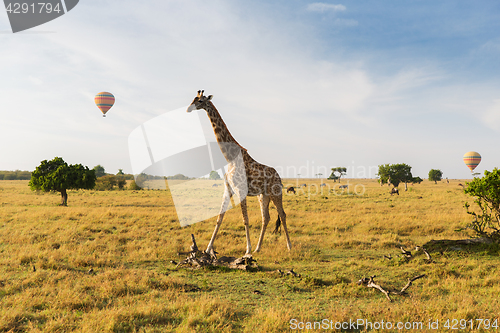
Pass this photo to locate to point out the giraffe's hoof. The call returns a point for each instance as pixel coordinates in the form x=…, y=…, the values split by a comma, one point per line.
x=211, y=253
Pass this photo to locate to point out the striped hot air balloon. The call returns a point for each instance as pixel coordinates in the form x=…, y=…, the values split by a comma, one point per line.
x=104, y=101
x=472, y=159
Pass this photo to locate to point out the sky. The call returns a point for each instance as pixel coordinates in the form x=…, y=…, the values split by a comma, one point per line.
x=304, y=86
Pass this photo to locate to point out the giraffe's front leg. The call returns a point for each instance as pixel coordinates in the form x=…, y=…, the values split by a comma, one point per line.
x=225, y=204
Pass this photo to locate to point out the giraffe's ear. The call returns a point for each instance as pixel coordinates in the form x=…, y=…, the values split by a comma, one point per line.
x=209, y=97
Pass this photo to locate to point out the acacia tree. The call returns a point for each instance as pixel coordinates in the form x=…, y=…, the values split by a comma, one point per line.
x=214, y=175
x=486, y=191
x=383, y=174
x=99, y=171
x=57, y=175
x=435, y=175
x=395, y=174
x=337, y=173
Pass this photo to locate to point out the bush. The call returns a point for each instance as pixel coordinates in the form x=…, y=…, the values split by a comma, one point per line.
x=105, y=183
x=121, y=182
x=486, y=191
x=133, y=186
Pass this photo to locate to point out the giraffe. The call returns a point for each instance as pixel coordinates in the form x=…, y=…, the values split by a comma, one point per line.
x=244, y=177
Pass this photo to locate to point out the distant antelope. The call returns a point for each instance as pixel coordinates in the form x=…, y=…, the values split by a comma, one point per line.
x=303, y=185
x=394, y=191
x=290, y=189
x=343, y=186
x=322, y=185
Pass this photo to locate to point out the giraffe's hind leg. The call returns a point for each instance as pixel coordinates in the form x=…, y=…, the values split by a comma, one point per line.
x=278, y=202
x=264, y=208
x=244, y=212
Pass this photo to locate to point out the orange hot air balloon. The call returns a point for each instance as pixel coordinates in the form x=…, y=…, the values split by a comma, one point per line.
x=104, y=101
x=472, y=159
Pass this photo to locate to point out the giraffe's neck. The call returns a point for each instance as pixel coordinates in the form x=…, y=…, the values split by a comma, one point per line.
x=222, y=134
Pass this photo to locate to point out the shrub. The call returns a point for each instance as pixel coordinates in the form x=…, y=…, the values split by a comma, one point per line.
x=105, y=183
x=133, y=186
x=486, y=191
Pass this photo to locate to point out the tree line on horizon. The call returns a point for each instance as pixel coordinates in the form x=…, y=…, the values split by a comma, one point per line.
x=15, y=175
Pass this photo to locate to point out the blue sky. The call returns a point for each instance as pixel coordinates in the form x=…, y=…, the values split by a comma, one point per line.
x=303, y=85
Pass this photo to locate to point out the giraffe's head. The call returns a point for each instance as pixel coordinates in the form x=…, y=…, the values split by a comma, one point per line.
x=199, y=101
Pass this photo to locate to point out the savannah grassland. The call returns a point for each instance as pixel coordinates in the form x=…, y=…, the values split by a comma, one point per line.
x=128, y=239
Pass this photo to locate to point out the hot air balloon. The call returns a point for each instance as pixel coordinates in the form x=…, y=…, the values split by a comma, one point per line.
x=472, y=159
x=104, y=101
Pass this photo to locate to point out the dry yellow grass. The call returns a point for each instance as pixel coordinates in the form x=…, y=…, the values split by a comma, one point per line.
x=128, y=238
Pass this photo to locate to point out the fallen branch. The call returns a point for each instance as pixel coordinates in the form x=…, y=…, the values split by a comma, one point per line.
x=370, y=283
x=407, y=254
x=403, y=291
x=429, y=258
x=291, y=272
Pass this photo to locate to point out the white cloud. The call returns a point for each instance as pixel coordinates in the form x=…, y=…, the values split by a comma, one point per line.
x=325, y=7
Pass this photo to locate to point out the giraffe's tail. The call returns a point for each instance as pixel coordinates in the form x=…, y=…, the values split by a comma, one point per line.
x=278, y=226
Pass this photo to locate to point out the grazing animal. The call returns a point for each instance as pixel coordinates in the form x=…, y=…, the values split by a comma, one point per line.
x=257, y=180
x=215, y=185
x=290, y=189
x=343, y=186
x=394, y=191
x=303, y=185
x=322, y=185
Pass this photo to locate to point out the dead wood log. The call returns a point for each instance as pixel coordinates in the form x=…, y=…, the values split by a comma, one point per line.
x=198, y=259
x=194, y=247
x=370, y=283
